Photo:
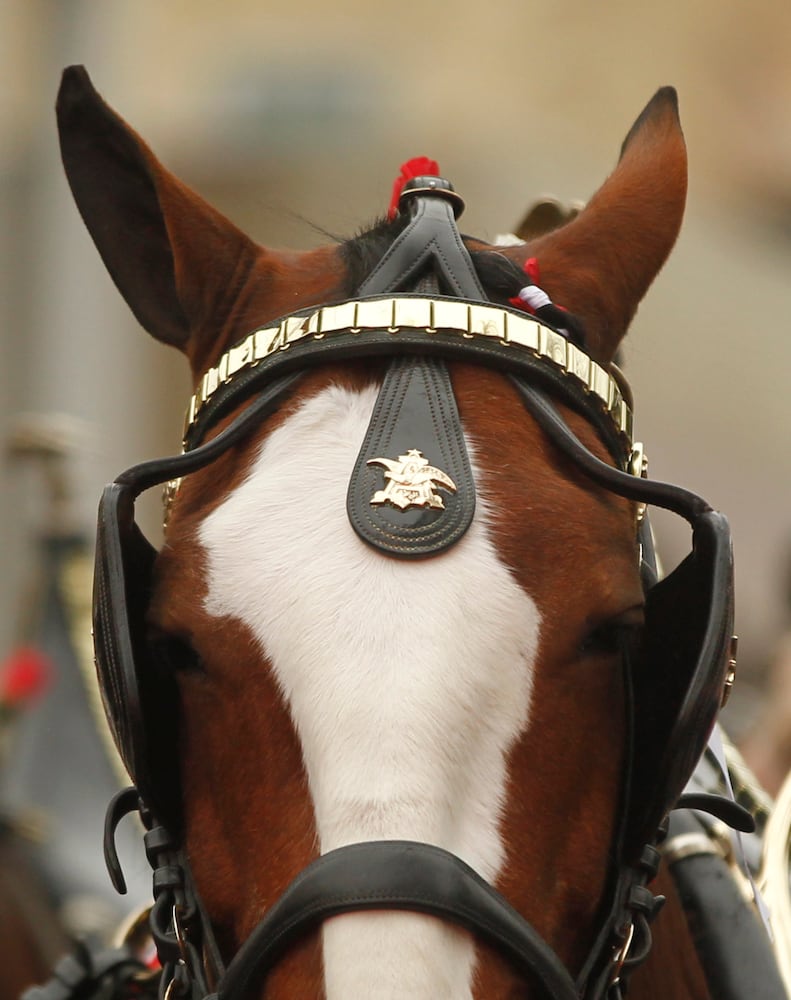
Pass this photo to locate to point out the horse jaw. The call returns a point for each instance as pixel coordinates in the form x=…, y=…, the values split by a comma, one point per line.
x=407, y=685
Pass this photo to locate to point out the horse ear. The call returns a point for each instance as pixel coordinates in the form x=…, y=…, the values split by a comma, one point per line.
x=601, y=264
x=174, y=258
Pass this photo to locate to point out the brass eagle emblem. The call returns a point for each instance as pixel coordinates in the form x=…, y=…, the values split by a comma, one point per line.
x=411, y=481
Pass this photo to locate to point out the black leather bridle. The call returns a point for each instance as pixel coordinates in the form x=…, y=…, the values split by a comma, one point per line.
x=674, y=693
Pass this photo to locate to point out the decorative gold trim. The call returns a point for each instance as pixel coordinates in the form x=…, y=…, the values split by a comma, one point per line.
x=169, y=494
x=458, y=318
x=410, y=481
x=638, y=466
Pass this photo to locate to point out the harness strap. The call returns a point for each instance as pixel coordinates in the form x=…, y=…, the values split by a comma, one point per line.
x=113, y=974
x=395, y=875
x=734, y=950
x=415, y=430
x=155, y=471
x=415, y=433
x=430, y=241
x=683, y=502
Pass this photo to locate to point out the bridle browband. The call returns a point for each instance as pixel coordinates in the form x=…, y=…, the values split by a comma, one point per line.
x=445, y=319
x=399, y=324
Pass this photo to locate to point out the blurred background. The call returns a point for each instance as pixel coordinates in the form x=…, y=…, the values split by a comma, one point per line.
x=294, y=118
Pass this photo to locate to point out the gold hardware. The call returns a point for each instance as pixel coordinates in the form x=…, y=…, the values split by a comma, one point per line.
x=374, y=314
x=422, y=315
x=181, y=934
x=449, y=315
x=345, y=316
x=432, y=325
x=483, y=321
x=599, y=383
x=412, y=313
x=296, y=328
x=553, y=345
x=624, y=419
x=638, y=461
x=169, y=494
x=172, y=990
x=616, y=399
x=410, y=482
x=525, y=335
x=313, y=325
x=621, y=955
x=638, y=466
x=189, y=416
x=730, y=676
x=578, y=363
x=239, y=357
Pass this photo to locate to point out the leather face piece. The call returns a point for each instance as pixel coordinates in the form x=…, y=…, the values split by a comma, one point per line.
x=139, y=698
x=411, y=492
x=679, y=679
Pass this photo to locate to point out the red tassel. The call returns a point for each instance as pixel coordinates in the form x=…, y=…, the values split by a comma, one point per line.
x=24, y=675
x=418, y=166
x=531, y=269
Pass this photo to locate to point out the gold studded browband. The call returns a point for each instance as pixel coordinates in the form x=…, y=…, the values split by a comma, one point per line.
x=456, y=323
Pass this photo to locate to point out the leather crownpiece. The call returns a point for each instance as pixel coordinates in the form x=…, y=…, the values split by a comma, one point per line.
x=411, y=492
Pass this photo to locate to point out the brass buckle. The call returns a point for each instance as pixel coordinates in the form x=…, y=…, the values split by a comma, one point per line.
x=730, y=677
x=638, y=466
x=620, y=956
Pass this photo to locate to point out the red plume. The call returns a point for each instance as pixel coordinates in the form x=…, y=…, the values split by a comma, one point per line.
x=418, y=166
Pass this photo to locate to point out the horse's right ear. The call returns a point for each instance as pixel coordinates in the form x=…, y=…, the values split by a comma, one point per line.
x=175, y=260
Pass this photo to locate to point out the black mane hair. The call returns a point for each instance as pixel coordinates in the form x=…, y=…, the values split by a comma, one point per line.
x=501, y=278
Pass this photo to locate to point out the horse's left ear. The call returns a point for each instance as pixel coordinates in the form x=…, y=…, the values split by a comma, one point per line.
x=176, y=260
x=600, y=265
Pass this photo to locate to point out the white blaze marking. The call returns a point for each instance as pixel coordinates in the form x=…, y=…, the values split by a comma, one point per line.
x=407, y=681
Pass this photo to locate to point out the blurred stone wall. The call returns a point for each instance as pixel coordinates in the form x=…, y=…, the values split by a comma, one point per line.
x=293, y=119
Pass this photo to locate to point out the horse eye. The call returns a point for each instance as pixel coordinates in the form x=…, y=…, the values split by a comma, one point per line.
x=174, y=654
x=612, y=638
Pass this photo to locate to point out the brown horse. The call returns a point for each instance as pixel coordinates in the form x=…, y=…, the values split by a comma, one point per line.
x=472, y=697
x=31, y=935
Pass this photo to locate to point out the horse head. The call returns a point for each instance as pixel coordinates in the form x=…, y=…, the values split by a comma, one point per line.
x=320, y=690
